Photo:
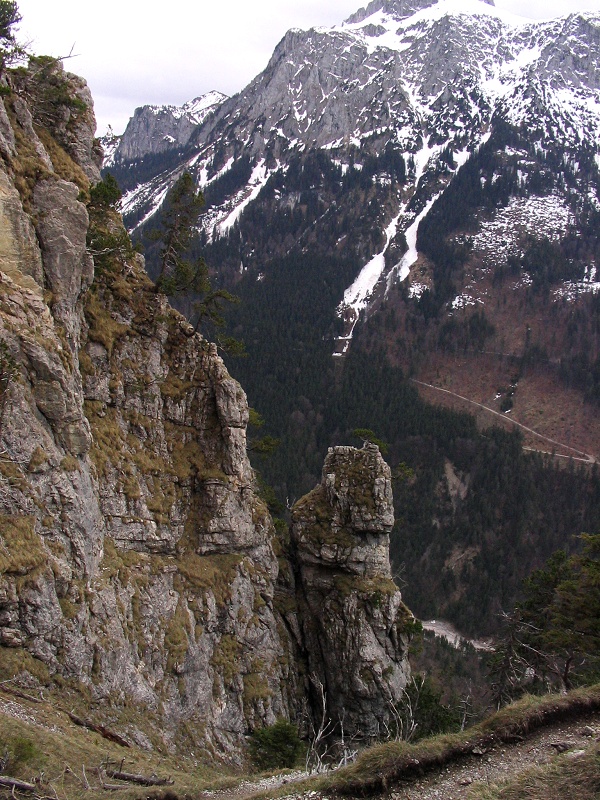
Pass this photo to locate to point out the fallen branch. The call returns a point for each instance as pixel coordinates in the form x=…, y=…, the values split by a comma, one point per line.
x=109, y=787
x=54, y=790
x=18, y=693
x=143, y=780
x=68, y=771
x=105, y=732
x=20, y=786
x=113, y=787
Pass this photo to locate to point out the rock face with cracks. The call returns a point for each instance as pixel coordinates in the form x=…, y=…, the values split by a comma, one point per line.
x=140, y=573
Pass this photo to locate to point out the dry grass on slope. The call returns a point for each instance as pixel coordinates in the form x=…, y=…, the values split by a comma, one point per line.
x=45, y=748
x=379, y=767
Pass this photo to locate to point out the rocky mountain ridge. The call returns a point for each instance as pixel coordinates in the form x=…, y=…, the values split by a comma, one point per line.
x=155, y=129
x=412, y=91
x=141, y=575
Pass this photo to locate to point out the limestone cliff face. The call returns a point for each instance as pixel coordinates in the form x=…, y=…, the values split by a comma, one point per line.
x=356, y=626
x=136, y=561
x=158, y=129
x=138, y=566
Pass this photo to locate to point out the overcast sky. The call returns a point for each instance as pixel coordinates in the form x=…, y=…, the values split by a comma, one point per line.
x=134, y=52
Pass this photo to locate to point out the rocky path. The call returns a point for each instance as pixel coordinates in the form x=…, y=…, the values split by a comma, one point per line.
x=261, y=787
x=566, y=739
x=456, y=781
x=504, y=761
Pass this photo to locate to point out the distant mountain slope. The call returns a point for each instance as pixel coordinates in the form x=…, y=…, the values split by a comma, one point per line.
x=428, y=87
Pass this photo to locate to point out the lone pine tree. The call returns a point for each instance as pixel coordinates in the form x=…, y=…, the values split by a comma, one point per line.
x=179, y=272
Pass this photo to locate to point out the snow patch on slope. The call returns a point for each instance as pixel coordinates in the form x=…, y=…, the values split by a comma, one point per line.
x=357, y=296
x=136, y=198
x=498, y=237
x=571, y=290
x=464, y=300
x=402, y=270
x=260, y=175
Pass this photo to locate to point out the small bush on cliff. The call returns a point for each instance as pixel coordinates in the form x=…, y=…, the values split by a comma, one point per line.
x=8, y=372
x=277, y=746
x=367, y=435
x=421, y=712
x=17, y=752
x=9, y=17
x=51, y=95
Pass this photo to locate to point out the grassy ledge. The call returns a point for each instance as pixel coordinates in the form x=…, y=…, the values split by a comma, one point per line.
x=565, y=779
x=379, y=767
x=62, y=759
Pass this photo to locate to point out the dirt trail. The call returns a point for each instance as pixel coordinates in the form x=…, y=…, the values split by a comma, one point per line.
x=566, y=739
x=455, y=781
x=248, y=789
x=580, y=455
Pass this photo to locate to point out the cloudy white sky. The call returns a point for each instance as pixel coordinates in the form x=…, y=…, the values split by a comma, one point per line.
x=134, y=52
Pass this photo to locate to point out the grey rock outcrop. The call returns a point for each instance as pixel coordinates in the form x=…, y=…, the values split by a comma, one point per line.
x=62, y=225
x=156, y=129
x=356, y=627
x=19, y=251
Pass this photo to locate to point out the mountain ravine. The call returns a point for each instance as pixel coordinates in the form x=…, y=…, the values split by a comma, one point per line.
x=142, y=581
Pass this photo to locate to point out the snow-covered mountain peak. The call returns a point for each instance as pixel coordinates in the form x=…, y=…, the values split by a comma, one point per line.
x=396, y=16
x=384, y=27
x=399, y=10
x=395, y=9
x=199, y=107
x=404, y=94
x=157, y=129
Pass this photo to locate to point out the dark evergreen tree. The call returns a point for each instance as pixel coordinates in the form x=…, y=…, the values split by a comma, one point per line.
x=180, y=274
x=9, y=18
x=551, y=640
x=177, y=273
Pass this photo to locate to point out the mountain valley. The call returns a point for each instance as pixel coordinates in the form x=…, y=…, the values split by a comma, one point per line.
x=196, y=582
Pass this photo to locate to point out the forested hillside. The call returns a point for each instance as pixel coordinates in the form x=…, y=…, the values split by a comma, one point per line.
x=475, y=513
